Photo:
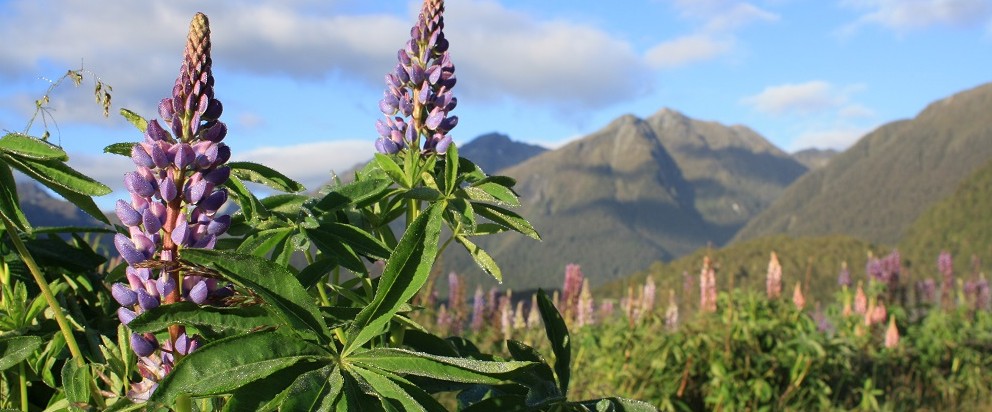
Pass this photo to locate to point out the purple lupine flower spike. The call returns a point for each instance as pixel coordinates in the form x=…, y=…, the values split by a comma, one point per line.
x=420, y=88
x=176, y=195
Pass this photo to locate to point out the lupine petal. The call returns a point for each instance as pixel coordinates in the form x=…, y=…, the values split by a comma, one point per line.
x=143, y=345
x=127, y=214
x=159, y=157
x=165, y=285
x=180, y=235
x=123, y=294
x=184, y=155
x=216, y=133
x=126, y=248
x=198, y=294
x=151, y=222
x=140, y=157
x=126, y=315
x=147, y=301
x=134, y=183
x=219, y=225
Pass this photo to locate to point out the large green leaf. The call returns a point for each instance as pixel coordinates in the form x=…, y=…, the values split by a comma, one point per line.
x=76, y=383
x=14, y=349
x=340, y=252
x=482, y=258
x=493, y=192
x=275, y=284
x=56, y=252
x=122, y=149
x=31, y=148
x=9, y=204
x=317, y=390
x=358, y=193
x=234, y=319
x=262, y=242
x=561, y=342
x=506, y=218
x=268, y=393
x=451, y=169
x=254, y=172
x=393, y=170
x=406, y=271
x=251, y=208
x=70, y=184
x=392, y=395
x=453, y=369
x=360, y=241
x=228, y=364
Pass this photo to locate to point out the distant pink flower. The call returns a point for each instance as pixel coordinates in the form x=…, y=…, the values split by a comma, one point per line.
x=707, y=287
x=797, y=297
x=648, y=296
x=571, y=289
x=672, y=312
x=534, y=316
x=478, y=310
x=773, y=281
x=892, y=334
x=585, y=307
x=879, y=314
x=860, y=300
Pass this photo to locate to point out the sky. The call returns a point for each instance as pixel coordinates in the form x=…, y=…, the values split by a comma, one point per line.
x=300, y=80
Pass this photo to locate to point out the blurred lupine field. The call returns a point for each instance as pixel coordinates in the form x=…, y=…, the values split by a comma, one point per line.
x=198, y=304
x=880, y=343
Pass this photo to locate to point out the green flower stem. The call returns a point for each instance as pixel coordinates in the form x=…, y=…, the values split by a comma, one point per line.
x=45, y=291
x=321, y=287
x=23, y=381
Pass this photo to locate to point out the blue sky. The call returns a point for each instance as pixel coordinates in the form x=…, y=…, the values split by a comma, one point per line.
x=301, y=79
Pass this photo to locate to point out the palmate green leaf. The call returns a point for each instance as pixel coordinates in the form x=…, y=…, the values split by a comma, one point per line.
x=393, y=170
x=493, y=192
x=561, y=342
x=316, y=271
x=254, y=172
x=14, y=349
x=235, y=319
x=453, y=369
x=31, y=148
x=505, y=218
x=288, y=204
x=225, y=365
x=316, y=390
x=393, y=395
x=67, y=182
x=523, y=352
x=451, y=169
x=360, y=241
x=406, y=271
x=342, y=253
x=284, y=295
x=268, y=393
x=262, y=242
x=250, y=207
x=482, y=258
x=359, y=193
x=10, y=206
x=123, y=149
x=135, y=119
x=76, y=383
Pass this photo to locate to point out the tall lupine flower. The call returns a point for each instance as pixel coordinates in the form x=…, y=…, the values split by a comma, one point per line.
x=797, y=296
x=878, y=314
x=418, y=95
x=478, y=310
x=585, y=308
x=506, y=315
x=945, y=265
x=926, y=290
x=176, y=196
x=571, y=288
x=983, y=296
x=672, y=312
x=534, y=315
x=456, y=302
x=773, y=281
x=892, y=334
x=860, y=300
x=844, y=277
x=518, y=316
x=707, y=287
x=606, y=308
x=648, y=296
x=443, y=318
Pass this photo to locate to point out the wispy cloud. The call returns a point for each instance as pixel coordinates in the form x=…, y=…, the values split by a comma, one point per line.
x=312, y=164
x=803, y=98
x=715, y=34
x=837, y=138
x=687, y=50
x=907, y=15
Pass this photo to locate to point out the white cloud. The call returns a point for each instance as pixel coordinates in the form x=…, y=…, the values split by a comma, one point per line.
x=714, y=36
x=907, y=15
x=856, y=111
x=686, y=50
x=311, y=163
x=840, y=138
x=800, y=98
x=510, y=54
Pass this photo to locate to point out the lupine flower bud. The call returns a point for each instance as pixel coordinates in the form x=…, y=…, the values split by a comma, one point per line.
x=143, y=345
x=127, y=214
x=844, y=278
x=147, y=301
x=126, y=315
x=198, y=294
x=478, y=308
x=672, y=312
x=797, y=297
x=860, y=300
x=127, y=250
x=134, y=183
x=534, y=315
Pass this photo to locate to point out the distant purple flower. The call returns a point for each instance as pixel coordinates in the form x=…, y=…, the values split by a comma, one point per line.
x=478, y=310
x=571, y=288
x=844, y=278
x=945, y=265
x=926, y=290
x=418, y=95
x=672, y=312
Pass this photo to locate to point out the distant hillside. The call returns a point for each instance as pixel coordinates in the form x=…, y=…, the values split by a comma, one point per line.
x=961, y=224
x=495, y=151
x=42, y=209
x=747, y=262
x=878, y=187
x=814, y=158
x=636, y=191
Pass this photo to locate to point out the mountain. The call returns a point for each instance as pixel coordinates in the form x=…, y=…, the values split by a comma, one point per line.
x=958, y=223
x=41, y=209
x=636, y=191
x=495, y=151
x=878, y=187
x=814, y=158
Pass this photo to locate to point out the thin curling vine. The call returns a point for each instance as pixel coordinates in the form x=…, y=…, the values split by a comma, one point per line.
x=176, y=196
